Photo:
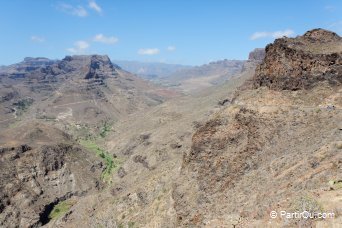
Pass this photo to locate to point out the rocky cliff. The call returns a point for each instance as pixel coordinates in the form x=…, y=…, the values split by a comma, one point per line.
x=100, y=66
x=301, y=62
x=40, y=168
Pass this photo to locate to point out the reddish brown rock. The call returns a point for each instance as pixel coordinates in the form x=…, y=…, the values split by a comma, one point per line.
x=301, y=62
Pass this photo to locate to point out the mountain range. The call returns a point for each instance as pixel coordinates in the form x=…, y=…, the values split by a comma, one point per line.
x=86, y=143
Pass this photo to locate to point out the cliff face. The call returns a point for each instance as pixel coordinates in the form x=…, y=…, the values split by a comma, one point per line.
x=258, y=54
x=301, y=62
x=39, y=169
x=100, y=67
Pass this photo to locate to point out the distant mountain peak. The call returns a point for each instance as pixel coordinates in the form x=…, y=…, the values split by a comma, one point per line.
x=258, y=54
x=100, y=66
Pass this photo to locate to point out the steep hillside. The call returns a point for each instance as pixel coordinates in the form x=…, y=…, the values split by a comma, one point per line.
x=150, y=146
x=40, y=167
x=273, y=149
x=54, y=118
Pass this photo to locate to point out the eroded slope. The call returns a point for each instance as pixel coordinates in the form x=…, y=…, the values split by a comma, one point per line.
x=274, y=148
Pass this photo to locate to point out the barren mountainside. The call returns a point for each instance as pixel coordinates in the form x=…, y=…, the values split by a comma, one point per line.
x=83, y=89
x=84, y=143
x=271, y=149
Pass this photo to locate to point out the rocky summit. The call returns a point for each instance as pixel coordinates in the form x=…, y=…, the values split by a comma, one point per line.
x=301, y=62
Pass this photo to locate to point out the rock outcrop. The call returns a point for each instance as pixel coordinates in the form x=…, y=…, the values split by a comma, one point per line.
x=100, y=67
x=46, y=168
x=301, y=62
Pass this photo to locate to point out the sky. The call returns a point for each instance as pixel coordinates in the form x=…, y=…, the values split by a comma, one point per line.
x=191, y=32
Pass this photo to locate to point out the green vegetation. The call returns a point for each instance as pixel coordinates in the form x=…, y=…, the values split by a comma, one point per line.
x=83, y=131
x=23, y=104
x=111, y=163
x=47, y=118
x=307, y=203
x=131, y=224
x=105, y=129
x=335, y=184
x=60, y=209
x=339, y=145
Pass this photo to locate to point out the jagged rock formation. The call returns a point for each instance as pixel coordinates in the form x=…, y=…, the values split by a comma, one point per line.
x=42, y=167
x=99, y=67
x=301, y=62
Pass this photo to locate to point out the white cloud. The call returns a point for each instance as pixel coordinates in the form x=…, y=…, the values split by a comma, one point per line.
x=79, y=47
x=171, y=48
x=104, y=39
x=93, y=5
x=37, y=39
x=148, y=51
x=275, y=35
x=73, y=10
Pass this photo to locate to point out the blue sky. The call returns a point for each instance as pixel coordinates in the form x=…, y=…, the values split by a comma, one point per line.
x=172, y=31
